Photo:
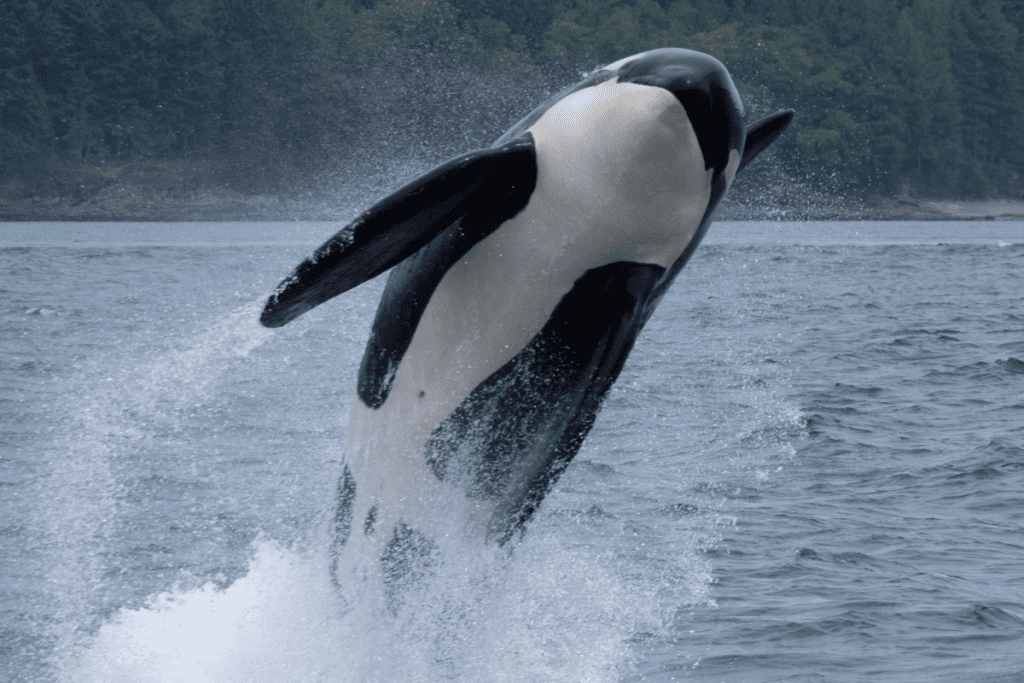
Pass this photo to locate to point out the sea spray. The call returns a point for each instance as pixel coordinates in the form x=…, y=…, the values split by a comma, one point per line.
x=550, y=613
x=111, y=412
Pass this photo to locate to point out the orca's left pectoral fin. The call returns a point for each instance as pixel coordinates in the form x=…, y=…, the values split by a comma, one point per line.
x=403, y=222
x=763, y=133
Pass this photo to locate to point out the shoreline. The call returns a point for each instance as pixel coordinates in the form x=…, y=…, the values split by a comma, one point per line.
x=128, y=203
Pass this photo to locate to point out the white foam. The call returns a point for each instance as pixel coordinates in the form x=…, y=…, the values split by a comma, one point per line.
x=551, y=614
x=277, y=623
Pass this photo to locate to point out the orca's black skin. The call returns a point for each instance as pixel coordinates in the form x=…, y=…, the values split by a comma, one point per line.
x=513, y=436
x=371, y=521
x=763, y=133
x=341, y=526
x=400, y=224
x=408, y=557
x=516, y=432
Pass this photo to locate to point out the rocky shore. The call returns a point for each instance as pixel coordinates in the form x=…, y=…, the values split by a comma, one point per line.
x=163, y=197
x=886, y=209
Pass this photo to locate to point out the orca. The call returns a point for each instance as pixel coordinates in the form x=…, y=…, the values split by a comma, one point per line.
x=521, y=275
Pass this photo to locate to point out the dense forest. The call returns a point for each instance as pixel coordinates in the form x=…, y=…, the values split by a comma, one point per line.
x=919, y=97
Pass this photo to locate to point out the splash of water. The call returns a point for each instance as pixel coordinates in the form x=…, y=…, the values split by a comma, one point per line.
x=105, y=420
x=563, y=607
x=553, y=614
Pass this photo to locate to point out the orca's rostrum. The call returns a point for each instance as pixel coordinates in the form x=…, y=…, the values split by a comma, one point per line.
x=522, y=275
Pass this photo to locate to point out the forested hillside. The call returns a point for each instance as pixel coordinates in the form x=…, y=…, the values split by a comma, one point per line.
x=893, y=96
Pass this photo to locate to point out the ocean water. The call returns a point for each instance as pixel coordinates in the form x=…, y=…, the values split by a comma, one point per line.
x=811, y=469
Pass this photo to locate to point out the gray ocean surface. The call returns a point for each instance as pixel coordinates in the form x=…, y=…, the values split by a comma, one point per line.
x=810, y=469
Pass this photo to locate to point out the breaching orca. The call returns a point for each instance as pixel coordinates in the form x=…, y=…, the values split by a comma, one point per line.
x=522, y=275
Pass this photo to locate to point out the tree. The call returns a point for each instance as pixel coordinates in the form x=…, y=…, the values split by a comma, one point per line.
x=24, y=121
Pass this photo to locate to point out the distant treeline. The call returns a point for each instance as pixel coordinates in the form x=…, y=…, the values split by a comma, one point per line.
x=921, y=96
